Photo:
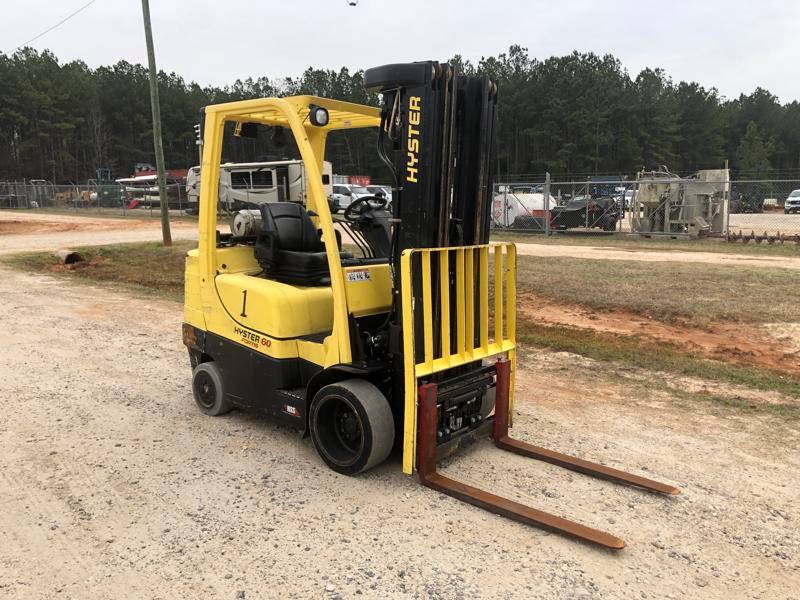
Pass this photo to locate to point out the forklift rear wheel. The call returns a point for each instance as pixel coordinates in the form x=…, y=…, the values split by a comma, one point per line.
x=352, y=426
x=209, y=389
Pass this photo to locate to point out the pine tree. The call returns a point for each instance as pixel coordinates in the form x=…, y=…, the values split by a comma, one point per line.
x=571, y=115
x=754, y=153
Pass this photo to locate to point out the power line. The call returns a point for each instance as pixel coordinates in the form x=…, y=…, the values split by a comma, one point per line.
x=61, y=22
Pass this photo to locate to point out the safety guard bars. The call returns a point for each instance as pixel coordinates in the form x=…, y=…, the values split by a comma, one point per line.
x=471, y=342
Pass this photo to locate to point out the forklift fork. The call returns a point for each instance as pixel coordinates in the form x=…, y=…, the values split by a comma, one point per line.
x=428, y=476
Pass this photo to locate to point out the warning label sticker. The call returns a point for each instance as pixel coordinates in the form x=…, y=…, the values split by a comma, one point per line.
x=359, y=275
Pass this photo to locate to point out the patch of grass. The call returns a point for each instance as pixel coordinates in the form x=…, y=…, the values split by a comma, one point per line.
x=653, y=356
x=741, y=406
x=699, y=293
x=664, y=290
x=628, y=242
x=145, y=267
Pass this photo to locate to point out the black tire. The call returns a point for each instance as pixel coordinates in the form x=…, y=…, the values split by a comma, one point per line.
x=609, y=223
x=351, y=426
x=525, y=222
x=208, y=389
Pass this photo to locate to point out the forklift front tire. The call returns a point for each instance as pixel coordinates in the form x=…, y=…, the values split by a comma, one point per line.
x=352, y=426
x=209, y=389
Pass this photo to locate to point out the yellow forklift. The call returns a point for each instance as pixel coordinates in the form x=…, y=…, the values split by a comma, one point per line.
x=377, y=329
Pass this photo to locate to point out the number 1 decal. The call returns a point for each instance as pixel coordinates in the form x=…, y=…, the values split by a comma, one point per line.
x=244, y=303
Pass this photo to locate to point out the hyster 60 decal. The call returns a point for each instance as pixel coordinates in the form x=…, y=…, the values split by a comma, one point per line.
x=252, y=339
x=414, y=117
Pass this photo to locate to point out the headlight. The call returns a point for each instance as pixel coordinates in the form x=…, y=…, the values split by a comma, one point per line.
x=318, y=116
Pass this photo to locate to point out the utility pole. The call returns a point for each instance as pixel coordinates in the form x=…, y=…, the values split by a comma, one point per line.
x=166, y=235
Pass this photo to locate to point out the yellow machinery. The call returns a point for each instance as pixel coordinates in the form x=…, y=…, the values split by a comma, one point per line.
x=403, y=335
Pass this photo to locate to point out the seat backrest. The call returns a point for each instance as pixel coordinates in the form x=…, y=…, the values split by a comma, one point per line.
x=290, y=225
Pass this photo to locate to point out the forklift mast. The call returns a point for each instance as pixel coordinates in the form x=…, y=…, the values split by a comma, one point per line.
x=439, y=128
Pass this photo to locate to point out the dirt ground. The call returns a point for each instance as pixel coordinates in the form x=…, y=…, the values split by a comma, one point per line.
x=759, y=222
x=768, y=221
x=606, y=253
x=25, y=232
x=774, y=346
x=114, y=485
x=22, y=223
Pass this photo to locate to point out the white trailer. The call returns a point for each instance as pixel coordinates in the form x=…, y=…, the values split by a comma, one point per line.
x=245, y=185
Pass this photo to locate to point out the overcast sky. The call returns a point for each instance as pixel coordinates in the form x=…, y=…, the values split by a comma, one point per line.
x=735, y=45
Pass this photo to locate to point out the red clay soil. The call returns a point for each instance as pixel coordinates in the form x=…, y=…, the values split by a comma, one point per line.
x=749, y=344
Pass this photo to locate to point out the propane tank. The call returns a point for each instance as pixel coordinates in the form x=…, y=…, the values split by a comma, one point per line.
x=246, y=223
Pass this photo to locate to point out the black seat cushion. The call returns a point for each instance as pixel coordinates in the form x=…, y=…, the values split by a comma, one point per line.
x=288, y=246
x=295, y=230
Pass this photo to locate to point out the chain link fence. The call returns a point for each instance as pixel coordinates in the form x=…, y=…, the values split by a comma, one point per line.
x=122, y=199
x=765, y=208
x=655, y=204
x=112, y=199
x=548, y=206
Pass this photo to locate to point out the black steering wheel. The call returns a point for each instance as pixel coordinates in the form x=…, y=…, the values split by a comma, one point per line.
x=359, y=207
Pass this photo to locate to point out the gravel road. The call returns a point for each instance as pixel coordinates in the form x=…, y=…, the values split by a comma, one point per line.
x=114, y=486
x=29, y=232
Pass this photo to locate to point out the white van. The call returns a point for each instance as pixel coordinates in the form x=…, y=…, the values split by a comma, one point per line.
x=344, y=194
x=245, y=185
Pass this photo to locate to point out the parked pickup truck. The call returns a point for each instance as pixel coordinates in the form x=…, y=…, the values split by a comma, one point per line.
x=792, y=203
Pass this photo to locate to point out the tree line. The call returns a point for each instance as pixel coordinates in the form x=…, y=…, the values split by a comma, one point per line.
x=571, y=115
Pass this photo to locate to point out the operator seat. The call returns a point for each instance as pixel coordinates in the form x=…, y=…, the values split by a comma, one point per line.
x=289, y=248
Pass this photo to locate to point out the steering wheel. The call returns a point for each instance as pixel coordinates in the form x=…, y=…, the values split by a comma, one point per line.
x=357, y=208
